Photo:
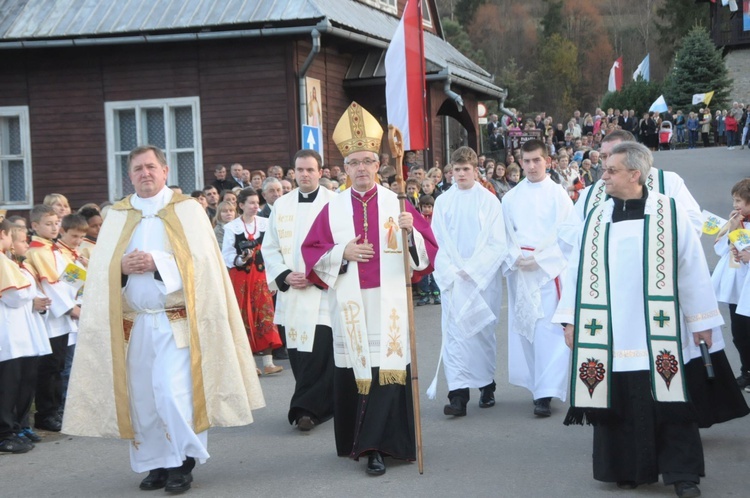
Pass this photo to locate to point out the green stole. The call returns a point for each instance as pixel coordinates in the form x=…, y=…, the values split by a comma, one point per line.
x=592, y=350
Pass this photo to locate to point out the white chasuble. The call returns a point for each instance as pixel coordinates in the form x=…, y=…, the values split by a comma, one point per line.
x=469, y=228
x=298, y=310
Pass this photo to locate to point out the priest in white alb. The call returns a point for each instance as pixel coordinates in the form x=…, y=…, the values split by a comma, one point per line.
x=541, y=227
x=636, y=304
x=469, y=228
x=162, y=353
x=354, y=249
x=301, y=307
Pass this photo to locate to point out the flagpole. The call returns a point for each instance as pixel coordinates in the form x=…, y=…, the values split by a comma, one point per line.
x=396, y=143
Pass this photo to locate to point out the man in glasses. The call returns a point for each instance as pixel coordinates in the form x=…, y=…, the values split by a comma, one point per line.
x=354, y=249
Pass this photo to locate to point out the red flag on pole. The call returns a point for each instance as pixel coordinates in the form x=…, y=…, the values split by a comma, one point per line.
x=405, y=78
x=615, y=76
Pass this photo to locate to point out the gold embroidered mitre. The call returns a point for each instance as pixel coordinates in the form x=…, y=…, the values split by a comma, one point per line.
x=357, y=130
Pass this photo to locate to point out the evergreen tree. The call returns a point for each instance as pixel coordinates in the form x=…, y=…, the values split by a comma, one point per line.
x=519, y=83
x=552, y=21
x=698, y=68
x=637, y=95
x=465, y=10
x=456, y=35
x=674, y=19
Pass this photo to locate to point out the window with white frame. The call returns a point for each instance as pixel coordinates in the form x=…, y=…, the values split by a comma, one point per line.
x=390, y=6
x=426, y=16
x=15, y=158
x=171, y=124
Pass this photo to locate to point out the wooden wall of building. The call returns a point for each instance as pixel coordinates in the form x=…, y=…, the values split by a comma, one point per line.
x=248, y=102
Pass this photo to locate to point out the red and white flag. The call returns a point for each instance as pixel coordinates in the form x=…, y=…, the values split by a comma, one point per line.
x=405, y=78
x=615, y=76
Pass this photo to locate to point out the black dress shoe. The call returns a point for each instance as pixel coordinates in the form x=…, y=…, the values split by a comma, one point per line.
x=305, y=423
x=280, y=354
x=457, y=408
x=686, y=489
x=49, y=424
x=156, y=479
x=542, y=408
x=177, y=482
x=375, y=464
x=487, y=397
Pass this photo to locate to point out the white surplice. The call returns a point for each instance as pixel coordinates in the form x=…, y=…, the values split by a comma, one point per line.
x=540, y=221
x=674, y=186
x=728, y=276
x=699, y=310
x=288, y=225
x=469, y=228
x=22, y=330
x=159, y=378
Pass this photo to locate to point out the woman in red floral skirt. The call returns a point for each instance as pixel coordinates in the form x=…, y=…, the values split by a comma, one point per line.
x=243, y=238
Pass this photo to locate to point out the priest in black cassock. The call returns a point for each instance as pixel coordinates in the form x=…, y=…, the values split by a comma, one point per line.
x=354, y=249
x=641, y=382
x=301, y=308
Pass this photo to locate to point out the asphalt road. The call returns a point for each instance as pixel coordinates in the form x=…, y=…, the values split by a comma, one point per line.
x=502, y=451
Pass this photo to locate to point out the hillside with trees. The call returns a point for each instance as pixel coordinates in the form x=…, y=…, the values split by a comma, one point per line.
x=555, y=55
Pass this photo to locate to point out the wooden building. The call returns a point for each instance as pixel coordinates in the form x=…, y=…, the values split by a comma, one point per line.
x=730, y=31
x=210, y=81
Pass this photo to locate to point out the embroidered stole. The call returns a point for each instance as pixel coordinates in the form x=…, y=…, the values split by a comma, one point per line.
x=293, y=222
x=394, y=345
x=596, y=193
x=592, y=350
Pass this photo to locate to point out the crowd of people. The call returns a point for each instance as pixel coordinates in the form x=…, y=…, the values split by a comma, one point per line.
x=310, y=268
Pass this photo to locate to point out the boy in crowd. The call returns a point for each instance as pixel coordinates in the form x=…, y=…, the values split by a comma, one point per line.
x=46, y=263
x=73, y=231
x=427, y=286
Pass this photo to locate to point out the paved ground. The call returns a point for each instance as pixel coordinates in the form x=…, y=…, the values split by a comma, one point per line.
x=503, y=451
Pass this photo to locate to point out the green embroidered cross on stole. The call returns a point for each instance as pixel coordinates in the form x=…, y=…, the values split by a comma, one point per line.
x=592, y=351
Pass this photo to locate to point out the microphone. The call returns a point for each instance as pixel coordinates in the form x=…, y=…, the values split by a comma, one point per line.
x=707, y=360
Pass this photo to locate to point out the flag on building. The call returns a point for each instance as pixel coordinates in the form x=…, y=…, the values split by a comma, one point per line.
x=643, y=70
x=659, y=105
x=405, y=78
x=615, y=76
x=704, y=98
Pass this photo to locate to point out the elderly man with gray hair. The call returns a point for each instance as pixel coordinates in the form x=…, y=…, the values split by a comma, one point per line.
x=637, y=306
x=272, y=190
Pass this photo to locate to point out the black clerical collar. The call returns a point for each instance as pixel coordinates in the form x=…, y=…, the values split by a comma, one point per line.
x=631, y=209
x=308, y=197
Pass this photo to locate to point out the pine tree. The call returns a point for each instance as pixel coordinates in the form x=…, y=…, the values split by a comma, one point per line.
x=698, y=68
x=552, y=21
x=675, y=18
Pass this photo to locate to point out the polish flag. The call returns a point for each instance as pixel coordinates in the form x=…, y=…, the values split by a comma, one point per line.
x=615, y=76
x=405, y=78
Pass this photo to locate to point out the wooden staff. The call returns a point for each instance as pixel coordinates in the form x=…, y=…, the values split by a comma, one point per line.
x=396, y=143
